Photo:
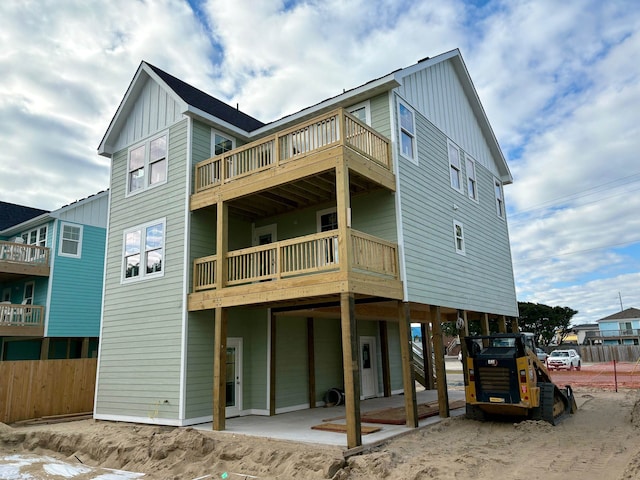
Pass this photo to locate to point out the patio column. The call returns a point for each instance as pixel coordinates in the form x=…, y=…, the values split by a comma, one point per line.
x=386, y=369
x=272, y=365
x=502, y=324
x=222, y=240
x=408, y=380
x=351, y=367
x=514, y=325
x=311, y=363
x=343, y=209
x=427, y=350
x=464, y=332
x=484, y=324
x=441, y=373
x=220, y=369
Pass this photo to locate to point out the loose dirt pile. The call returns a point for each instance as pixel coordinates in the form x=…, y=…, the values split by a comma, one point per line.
x=601, y=441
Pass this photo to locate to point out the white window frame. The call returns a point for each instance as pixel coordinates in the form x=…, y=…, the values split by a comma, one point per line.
x=142, y=269
x=41, y=242
x=403, y=131
x=215, y=132
x=366, y=105
x=458, y=239
x=322, y=213
x=28, y=300
x=472, y=177
x=146, y=166
x=455, y=171
x=78, y=253
x=499, y=194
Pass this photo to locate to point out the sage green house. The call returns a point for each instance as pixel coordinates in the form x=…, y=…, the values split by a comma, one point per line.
x=251, y=267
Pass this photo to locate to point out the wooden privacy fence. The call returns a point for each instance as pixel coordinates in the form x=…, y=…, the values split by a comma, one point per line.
x=608, y=353
x=40, y=388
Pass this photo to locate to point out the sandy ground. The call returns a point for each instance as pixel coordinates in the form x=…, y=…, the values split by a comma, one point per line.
x=601, y=441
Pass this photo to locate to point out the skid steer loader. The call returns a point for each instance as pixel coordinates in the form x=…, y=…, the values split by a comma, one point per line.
x=503, y=376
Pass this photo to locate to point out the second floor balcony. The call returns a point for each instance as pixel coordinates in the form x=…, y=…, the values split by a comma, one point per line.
x=18, y=320
x=312, y=265
x=19, y=259
x=628, y=332
x=304, y=150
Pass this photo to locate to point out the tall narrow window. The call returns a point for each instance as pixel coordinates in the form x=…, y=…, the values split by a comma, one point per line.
x=455, y=170
x=472, y=186
x=147, y=164
x=407, y=132
x=144, y=251
x=71, y=240
x=499, y=198
x=458, y=234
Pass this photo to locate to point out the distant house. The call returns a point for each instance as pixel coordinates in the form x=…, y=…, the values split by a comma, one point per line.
x=622, y=328
x=251, y=267
x=584, y=332
x=51, y=275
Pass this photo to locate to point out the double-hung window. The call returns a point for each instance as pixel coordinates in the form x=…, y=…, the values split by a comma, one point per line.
x=455, y=168
x=499, y=198
x=144, y=251
x=362, y=111
x=472, y=184
x=37, y=236
x=458, y=236
x=407, y=132
x=70, y=240
x=147, y=164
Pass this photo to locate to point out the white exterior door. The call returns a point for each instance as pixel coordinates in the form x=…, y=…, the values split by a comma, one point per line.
x=368, y=371
x=234, y=377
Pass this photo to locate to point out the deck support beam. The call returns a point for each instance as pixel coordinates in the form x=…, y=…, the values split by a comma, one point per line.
x=311, y=363
x=408, y=379
x=351, y=367
x=484, y=324
x=386, y=368
x=272, y=364
x=220, y=369
x=438, y=351
x=427, y=350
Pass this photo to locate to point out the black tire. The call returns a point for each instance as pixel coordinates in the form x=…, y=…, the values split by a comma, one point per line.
x=570, y=367
x=473, y=412
x=579, y=367
x=545, y=410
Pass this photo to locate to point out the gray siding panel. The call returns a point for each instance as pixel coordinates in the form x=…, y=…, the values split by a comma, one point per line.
x=142, y=321
x=483, y=279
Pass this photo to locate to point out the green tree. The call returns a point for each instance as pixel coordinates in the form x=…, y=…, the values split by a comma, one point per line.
x=544, y=321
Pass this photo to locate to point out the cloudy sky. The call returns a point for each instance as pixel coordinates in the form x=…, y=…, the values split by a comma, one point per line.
x=560, y=82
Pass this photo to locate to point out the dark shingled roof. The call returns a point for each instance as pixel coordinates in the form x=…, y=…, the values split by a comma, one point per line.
x=624, y=314
x=207, y=103
x=12, y=214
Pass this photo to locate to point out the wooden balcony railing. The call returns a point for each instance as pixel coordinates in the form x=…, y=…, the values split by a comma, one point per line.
x=22, y=253
x=14, y=315
x=628, y=332
x=336, y=128
x=298, y=256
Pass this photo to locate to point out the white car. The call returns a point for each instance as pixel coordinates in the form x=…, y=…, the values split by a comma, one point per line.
x=567, y=359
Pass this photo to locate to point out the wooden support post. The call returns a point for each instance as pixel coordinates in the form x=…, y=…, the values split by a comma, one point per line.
x=386, y=369
x=514, y=325
x=220, y=369
x=464, y=332
x=484, y=324
x=441, y=374
x=408, y=379
x=311, y=362
x=351, y=368
x=222, y=239
x=427, y=354
x=502, y=324
x=44, y=349
x=343, y=207
x=272, y=366
x=85, y=348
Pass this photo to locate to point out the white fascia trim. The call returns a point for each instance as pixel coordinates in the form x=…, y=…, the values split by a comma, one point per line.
x=399, y=75
x=191, y=111
x=71, y=206
x=135, y=419
x=26, y=225
x=104, y=281
x=54, y=254
x=185, y=272
x=389, y=82
x=398, y=202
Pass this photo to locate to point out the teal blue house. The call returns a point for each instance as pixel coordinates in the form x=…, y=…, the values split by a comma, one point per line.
x=252, y=266
x=51, y=276
x=621, y=328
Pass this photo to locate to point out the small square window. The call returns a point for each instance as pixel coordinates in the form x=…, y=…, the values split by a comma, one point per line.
x=71, y=240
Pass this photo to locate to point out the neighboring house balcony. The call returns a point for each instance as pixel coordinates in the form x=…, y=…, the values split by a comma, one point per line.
x=21, y=260
x=18, y=320
x=296, y=163
x=622, y=336
x=299, y=269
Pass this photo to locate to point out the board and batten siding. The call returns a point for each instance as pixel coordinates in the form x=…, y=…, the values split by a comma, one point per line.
x=76, y=287
x=482, y=280
x=437, y=93
x=139, y=371
x=154, y=109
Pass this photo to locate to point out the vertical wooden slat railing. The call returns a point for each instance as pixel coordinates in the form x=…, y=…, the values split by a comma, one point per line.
x=22, y=253
x=16, y=315
x=299, y=256
x=335, y=128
